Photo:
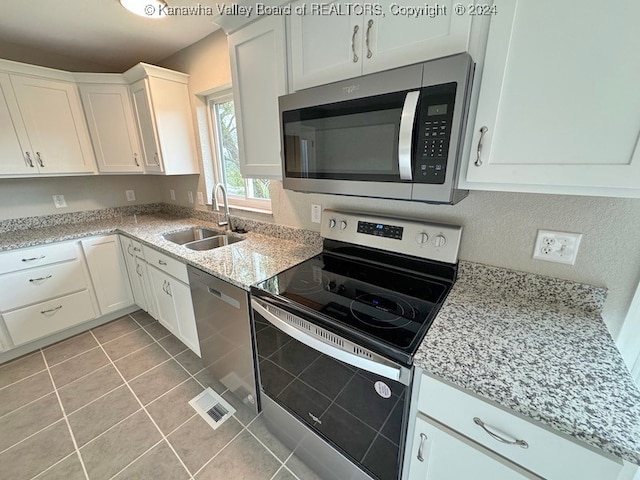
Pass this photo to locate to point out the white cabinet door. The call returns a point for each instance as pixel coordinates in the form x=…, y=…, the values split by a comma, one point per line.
x=396, y=38
x=559, y=100
x=166, y=314
x=146, y=127
x=186, y=319
x=136, y=273
x=437, y=454
x=108, y=273
x=55, y=124
x=16, y=156
x=259, y=76
x=112, y=128
x=324, y=48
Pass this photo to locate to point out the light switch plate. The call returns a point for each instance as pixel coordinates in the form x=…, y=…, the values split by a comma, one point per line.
x=59, y=201
x=131, y=195
x=559, y=247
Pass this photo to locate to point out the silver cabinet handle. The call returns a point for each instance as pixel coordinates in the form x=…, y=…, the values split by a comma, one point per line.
x=27, y=159
x=138, y=270
x=51, y=310
x=39, y=157
x=520, y=443
x=32, y=280
x=156, y=158
x=168, y=290
x=162, y=262
x=129, y=250
x=136, y=249
x=405, y=136
x=423, y=439
x=33, y=258
x=353, y=43
x=369, y=25
x=135, y=159
x=478, y=161
x=164, y=286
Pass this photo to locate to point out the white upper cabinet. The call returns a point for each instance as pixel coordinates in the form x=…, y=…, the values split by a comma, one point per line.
x=55, y=125
x=15, y=151
x=163, y=112
x=326, y=48
x=258, y=70
x=112, y=127
x=559, y=100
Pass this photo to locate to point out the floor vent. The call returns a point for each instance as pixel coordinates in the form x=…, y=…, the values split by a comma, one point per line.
x=212, y=407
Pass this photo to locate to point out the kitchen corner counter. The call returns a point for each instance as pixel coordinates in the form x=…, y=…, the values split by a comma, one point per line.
x=537, y=346
x=252, y=260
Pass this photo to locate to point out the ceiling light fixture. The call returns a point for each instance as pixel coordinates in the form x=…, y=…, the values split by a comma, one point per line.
x=145, y=8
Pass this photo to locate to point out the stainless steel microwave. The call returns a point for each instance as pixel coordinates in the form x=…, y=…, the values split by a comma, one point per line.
x=394, y=134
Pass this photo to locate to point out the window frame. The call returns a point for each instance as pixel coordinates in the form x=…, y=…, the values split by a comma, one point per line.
x=235, y=201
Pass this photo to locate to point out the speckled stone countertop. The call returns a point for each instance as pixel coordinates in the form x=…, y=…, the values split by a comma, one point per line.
x=252, y=260
x=537, y=346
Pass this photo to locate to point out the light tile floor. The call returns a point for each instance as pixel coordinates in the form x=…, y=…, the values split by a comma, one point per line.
x=111, y=403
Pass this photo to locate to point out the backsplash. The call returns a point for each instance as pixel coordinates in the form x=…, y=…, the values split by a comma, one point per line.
x=264, y=228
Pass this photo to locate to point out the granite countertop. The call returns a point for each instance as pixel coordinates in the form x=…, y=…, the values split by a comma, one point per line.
x=244, y=263
x=537, y=346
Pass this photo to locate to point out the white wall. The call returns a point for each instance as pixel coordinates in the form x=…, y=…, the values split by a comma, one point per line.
x=27, y=197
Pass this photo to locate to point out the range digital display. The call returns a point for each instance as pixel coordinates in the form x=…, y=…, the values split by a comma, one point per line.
x=380, y=230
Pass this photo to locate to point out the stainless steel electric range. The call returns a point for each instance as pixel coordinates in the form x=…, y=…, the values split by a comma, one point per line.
x=336, y=335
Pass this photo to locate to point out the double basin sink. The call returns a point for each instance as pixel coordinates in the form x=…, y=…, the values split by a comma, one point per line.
x=201, y=238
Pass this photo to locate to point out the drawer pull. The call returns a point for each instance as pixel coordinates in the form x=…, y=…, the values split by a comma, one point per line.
x=138, y=271
x=478, y=161
x=32, y=280
x=520, y=443
x=136, y=249
x=129, y=250
x=423, y=439
x=51, y=310
x=162, y=262
x=33, y=258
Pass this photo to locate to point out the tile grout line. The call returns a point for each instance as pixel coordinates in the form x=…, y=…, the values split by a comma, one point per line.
x=55, y=464
x=136, y=459
x=219, y=451
x=64, y=415
x=26, y=404
x=146, y=412
x=24, y=378
x=31, y=436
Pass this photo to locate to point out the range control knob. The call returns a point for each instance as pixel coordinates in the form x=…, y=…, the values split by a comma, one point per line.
x=343, y=224
x=332, y=223
x=422, y=238
x=439, y=241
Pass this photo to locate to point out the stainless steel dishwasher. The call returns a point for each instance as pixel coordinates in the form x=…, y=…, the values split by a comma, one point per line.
x=225, y=336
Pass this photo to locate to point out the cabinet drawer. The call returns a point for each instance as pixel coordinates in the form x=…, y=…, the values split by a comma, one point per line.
x=38, y=284
x=547, y=454
x=167, y=264
x=36, y=321
x=132, y=247
x=37, y=256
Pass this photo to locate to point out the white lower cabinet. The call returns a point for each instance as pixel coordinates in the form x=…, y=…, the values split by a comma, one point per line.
x=175, y=309
x=108, y=273
x=137, y=272
x=457, y=432
x=441, y=454
x=43, y=290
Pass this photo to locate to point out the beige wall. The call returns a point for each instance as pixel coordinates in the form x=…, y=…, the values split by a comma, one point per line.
x=499, y=228
x=27, y=197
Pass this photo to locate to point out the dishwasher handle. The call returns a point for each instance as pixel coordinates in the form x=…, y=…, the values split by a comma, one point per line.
x=224, y=297
x=387, y=371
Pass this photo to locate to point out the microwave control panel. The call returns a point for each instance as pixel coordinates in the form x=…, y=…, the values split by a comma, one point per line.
x=434, y=133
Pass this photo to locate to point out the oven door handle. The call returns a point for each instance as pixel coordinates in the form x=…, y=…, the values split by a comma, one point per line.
x=407, y=122
x=387, y=371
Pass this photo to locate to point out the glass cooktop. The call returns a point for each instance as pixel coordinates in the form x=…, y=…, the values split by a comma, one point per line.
x=388, y=307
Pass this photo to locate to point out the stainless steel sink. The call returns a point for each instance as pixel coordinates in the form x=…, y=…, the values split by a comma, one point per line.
x=213, y=242
x=191, y=235
x=201, y=238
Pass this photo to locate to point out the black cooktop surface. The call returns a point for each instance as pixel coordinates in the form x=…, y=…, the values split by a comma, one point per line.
x=387, y=306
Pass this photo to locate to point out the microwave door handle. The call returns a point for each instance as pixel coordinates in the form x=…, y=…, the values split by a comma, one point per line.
x=326, y=348
x=407, y=122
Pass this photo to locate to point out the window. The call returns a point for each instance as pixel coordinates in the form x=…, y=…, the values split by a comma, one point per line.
x=251, y=193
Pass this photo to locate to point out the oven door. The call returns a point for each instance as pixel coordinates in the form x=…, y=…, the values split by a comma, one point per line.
x=357, y=403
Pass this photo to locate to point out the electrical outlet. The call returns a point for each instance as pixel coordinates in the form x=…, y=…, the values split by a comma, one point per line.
x=200, y=198
x=59, y=201
x=560, y=247
x=190, y=196
x=172, y=193
x=316, y=213
x=131, y=195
